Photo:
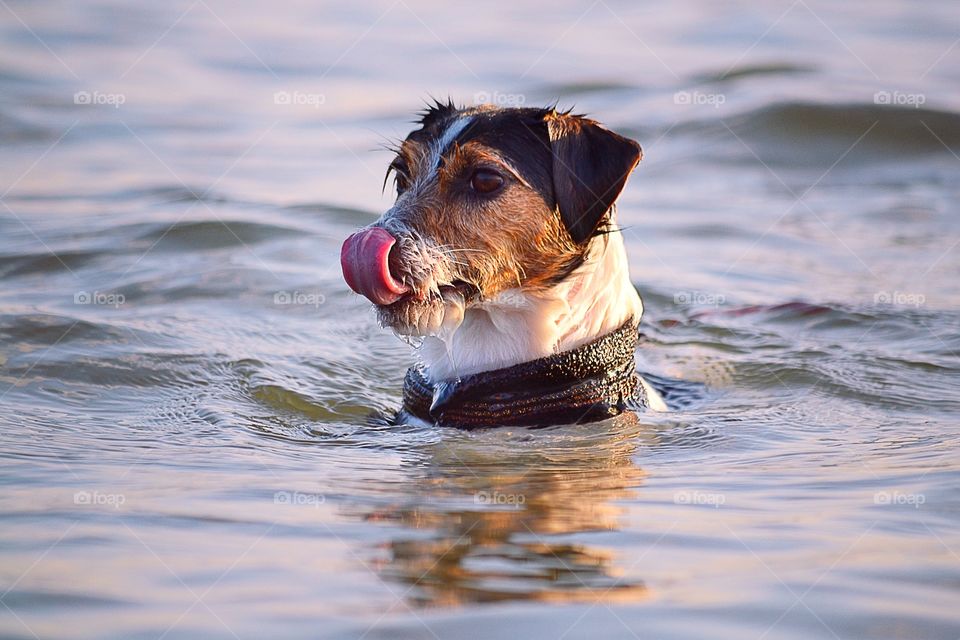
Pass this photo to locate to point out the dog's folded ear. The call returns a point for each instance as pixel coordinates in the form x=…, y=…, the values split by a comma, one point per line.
x=590, y=168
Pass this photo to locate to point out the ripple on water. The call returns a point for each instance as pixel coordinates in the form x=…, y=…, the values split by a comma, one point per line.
x=801, y=133
x=213, y=234
x=34, y=330
x=755, y=70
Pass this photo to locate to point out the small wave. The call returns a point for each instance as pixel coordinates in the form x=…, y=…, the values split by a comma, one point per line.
x=796, y=133
x=164, y=193
x=46, y=330
x=566, y=90
x=45, y=262
x=282, y=399
x=128, y=371
x=786, y=310
x=29, y=599
x=15, y=130
x=171, y=193
x=746, y=71
x=798, y=346
x=213, y=234
x=335, y=214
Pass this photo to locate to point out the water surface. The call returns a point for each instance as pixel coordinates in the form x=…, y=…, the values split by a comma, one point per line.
x=191, y=399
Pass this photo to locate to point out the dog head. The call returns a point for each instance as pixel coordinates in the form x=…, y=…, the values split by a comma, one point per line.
x=488, y=199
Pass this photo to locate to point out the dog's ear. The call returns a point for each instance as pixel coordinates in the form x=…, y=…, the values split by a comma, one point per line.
x=590, y=167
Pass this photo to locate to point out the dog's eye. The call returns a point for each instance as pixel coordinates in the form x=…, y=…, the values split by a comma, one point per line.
x=400, y=176
x=486, y=181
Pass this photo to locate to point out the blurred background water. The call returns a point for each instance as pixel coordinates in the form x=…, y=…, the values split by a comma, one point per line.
x=189, y=393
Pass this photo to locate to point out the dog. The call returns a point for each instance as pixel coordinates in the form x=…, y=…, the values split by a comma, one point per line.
x=501, y=260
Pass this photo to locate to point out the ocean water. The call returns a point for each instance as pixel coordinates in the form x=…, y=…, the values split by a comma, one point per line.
x=191, y=399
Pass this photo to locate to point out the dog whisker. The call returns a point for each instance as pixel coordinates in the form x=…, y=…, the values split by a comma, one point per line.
x=460, y=249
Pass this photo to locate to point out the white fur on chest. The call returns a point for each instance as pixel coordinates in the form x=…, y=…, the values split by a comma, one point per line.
x=518, y=327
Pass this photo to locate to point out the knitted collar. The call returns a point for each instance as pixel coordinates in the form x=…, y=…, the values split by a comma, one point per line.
x=595, y=381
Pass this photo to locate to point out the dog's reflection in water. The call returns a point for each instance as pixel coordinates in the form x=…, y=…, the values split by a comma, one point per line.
x=494, y=513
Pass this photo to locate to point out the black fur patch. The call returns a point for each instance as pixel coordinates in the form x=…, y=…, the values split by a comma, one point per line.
x=591, y=166
x=521, y=137
x=578, y=166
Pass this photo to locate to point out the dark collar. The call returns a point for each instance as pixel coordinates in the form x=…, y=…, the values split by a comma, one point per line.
x=595, y=381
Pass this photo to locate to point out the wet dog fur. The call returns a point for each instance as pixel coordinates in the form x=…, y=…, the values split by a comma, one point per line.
x=506, y=237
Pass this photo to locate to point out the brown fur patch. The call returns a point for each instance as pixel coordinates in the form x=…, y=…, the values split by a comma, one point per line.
x=515, y=239
x=454, y=241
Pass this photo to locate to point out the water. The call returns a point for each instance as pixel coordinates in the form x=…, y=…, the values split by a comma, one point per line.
x=190, y=394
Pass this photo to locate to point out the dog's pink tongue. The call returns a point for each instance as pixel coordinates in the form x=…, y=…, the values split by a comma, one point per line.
x=365, y=259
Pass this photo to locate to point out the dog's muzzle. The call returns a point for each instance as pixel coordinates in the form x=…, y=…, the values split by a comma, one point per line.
x=365, y=260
